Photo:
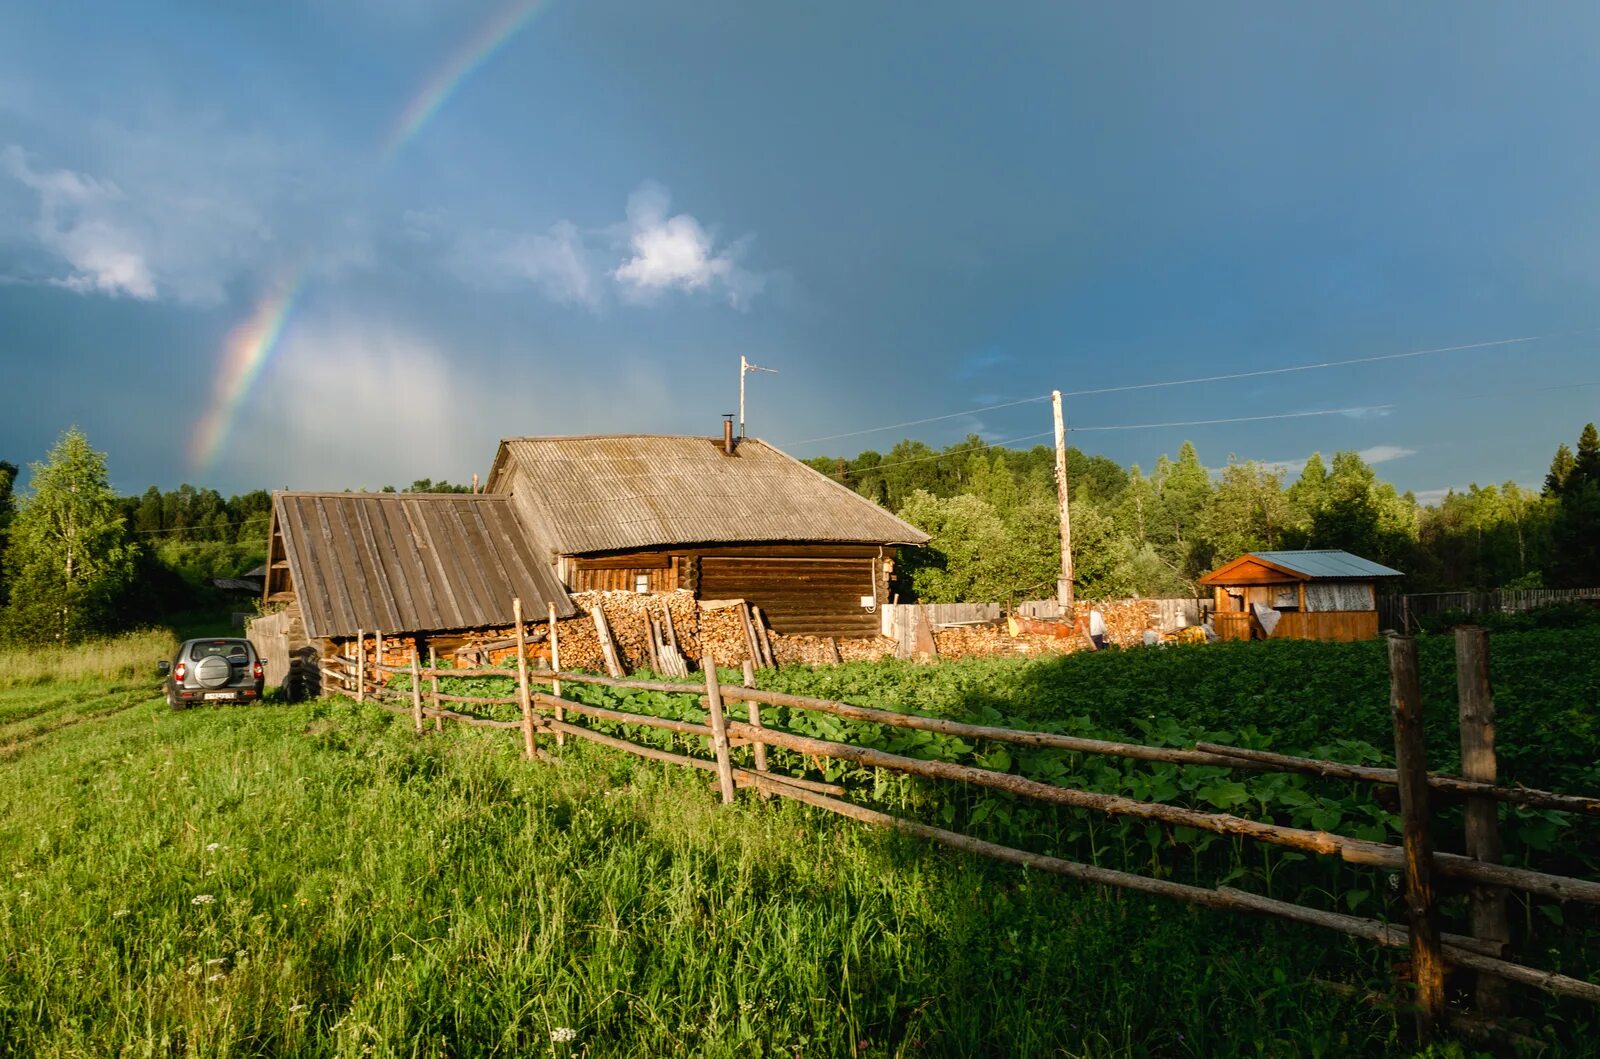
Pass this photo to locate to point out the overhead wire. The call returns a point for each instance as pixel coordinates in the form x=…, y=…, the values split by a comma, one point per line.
x=1165, y=383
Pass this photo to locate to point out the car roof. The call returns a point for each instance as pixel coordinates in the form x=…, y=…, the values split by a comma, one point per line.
x=214, y=639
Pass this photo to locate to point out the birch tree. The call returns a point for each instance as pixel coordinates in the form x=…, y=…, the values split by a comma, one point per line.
x=69, y=552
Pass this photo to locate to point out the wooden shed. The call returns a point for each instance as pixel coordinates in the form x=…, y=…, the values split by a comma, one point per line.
x=1297, y=595
x=400, y=563
x=723, y=517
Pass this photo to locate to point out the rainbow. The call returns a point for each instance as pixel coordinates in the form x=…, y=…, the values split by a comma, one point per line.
x=245, y=353
x=251, y=344
x=472, y=53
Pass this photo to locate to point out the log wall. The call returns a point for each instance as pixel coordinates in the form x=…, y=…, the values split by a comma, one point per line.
x=804, y=590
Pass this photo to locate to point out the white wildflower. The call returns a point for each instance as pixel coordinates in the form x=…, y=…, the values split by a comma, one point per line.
x=296, y=1006
x=563, y=1035
x=215, y=962
x=219, y=976
x=119, y=913
x=213, y=847
x=398, y=957
x=241, y=954
x=25, y=894
x=203, y=899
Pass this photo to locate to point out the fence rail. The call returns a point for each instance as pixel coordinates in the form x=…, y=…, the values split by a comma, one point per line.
x=1483, y=952
x=1403, y=612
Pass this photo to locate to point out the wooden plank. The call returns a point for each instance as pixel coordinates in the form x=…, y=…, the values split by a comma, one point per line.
x=433, y=664
x=441, y=570
x=1476, y=702
x=523, y=698
x=398, y=560
x=347, y=571
x=608, y=646
x=382, y=584
x=719, y=730
x=1427, y=962
x=416, y=690
x=555, y=664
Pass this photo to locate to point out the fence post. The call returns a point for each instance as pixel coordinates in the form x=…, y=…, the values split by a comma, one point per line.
x=1427, y=962
x=416, y=689
x=719, y=729
x=1476, y=698
x=433, y=691
x=361, y=665
x=523, y=699
x=378, y=680
x=755, y=722
x=555, y=685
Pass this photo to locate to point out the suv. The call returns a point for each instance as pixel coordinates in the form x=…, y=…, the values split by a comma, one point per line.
x=222, y=670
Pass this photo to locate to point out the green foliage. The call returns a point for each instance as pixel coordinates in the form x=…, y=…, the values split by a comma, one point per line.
x=1153, y=535
x=68, y=551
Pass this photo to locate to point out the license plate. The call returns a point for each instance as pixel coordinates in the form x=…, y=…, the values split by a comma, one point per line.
x=210, y=695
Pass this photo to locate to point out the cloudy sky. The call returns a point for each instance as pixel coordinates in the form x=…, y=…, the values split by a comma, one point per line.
x=329, y=243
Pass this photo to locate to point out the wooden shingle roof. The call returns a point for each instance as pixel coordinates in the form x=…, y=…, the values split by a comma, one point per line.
x=583, y=495
x=411, y=562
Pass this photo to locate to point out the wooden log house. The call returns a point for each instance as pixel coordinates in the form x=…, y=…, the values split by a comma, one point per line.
x=726, y=518
x=1297, y=595
x=723, y=518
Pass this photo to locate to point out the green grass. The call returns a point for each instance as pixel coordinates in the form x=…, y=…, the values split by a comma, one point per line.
x=120, y=658
x=373, y=893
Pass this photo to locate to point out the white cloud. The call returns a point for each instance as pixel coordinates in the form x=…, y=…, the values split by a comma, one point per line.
x=677, y=253
x=76, y=221
x=1385, y=453
x=170, y=218
x=556, y=262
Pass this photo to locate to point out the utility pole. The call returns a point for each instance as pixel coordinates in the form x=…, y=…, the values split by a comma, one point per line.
x=745, y=368
x=1064, y=583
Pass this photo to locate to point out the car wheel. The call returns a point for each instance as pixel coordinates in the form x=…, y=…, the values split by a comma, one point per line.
x=174, y=702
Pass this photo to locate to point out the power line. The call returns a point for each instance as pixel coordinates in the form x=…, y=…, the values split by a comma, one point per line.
x=1303, y=367
x=919, y=422
x=1256, y=373
x=1237, y=419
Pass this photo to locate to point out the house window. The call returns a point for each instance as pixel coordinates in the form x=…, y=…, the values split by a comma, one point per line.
x=641, y=582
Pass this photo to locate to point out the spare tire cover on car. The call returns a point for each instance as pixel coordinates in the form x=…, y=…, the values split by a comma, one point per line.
x=213, y=671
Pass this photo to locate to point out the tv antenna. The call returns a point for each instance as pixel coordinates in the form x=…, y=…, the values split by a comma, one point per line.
x=745, y=368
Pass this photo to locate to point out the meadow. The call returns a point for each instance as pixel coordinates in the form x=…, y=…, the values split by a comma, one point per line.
x=317, y=880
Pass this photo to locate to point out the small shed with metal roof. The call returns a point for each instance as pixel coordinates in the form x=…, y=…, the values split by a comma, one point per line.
x=421, y=564
x=725, y=518
x=1313, y=594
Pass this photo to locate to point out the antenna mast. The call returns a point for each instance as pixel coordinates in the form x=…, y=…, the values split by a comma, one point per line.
x=745, y=368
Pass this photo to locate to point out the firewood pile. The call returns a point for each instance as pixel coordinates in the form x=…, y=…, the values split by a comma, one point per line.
x=1126, y=619
x=628, y=618
x=829, y=650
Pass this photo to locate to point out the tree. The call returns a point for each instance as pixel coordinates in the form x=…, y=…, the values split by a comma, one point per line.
x=8, y=508
x=1247, y=513
x=1560, y=471
x=69, y=552
x=1575, y=530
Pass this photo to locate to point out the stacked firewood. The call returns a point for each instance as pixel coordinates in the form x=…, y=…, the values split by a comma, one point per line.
x=1126, y=619
x=829, y=650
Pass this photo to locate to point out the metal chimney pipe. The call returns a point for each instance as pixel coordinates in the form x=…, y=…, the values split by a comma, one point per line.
x=727, y=434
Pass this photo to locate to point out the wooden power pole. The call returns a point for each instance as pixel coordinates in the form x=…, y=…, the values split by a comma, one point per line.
x=1064, y=583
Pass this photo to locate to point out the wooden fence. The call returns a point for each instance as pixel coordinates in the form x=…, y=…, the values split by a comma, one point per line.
x=1484, y=951
x=1403, y=612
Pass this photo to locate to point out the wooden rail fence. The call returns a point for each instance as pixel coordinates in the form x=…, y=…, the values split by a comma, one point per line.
x=1405, y=611
x=1485, y=951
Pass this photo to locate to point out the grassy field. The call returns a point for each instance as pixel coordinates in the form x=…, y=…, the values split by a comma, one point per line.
x=316, y=880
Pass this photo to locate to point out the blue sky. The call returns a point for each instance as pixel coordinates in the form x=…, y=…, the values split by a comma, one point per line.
x=909, y=210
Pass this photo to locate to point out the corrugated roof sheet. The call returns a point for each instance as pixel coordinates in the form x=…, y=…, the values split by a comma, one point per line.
x=411, y=562
x=609, y=493
x=1327, y=563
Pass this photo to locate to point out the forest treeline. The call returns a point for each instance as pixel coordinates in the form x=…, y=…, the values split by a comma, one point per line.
x=76, y=559
x=993, y=514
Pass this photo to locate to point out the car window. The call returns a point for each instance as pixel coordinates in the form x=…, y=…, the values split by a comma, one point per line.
x=229, y=649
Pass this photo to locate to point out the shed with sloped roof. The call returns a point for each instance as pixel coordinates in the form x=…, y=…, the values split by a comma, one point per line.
x=723, y=517
x=401, y=563
x=1312, y=594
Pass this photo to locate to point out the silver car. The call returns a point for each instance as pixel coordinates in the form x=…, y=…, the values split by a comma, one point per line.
x=214, y=670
